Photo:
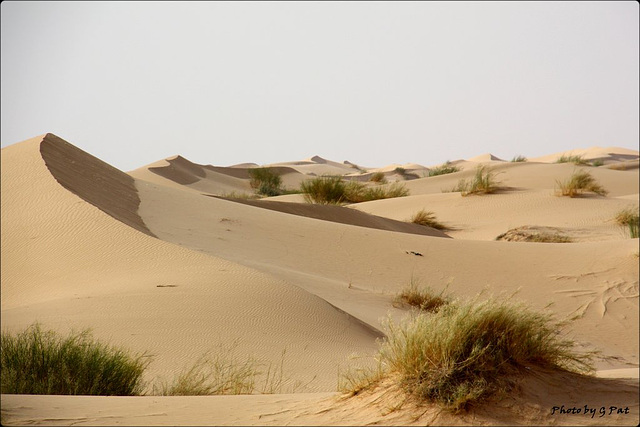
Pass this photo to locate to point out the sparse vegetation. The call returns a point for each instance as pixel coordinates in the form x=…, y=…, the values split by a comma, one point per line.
x=423, y=298
x=597, y=163
x=427, y=218
x=378, y=177
x=468, y=350
x=265, y=181
x=518, y=159
x=333, y=190
x=578, y=160
x=400, y=170
x=579, y=182
x=443, y=169
x=629, y=219
x=43, y=362
x=483, y=182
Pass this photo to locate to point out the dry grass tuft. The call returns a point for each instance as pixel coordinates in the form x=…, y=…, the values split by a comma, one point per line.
x=580, y=182
x=630, y=219
x=378, y=177
x=443, y=169
x=469, y=350
x=578, y=160
x=483, y=182
x=423, y=298
x=427, y=218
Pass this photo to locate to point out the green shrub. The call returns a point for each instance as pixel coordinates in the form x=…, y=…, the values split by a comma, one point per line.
x=578, y=160
x=443, y=169
x=42, y=362
x=518, y=159
x=629, y=218
x=597, y=163
x=427, y=218
x=333, y=190
x=466, y=351
x=580, y=182
x=265, y=181
x=324, y=190
x=400, y=170
x=483, y=182
x=378, y=177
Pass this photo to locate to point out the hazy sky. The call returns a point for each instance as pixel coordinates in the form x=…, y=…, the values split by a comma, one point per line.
x=370, y=82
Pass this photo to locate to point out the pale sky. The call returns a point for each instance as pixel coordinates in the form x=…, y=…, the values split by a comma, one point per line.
x=374, y=83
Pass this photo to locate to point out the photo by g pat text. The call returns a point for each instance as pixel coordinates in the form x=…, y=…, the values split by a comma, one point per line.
x=602, y=411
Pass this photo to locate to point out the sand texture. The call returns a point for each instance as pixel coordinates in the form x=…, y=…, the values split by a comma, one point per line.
x=167, y=259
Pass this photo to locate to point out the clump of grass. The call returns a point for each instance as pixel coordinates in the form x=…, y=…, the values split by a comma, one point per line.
x=467, y=351
x=518, y=159
x=224, y=374
x=483, y=182
x=579, y=182
x=333, y=190
x=427, y=218
x=378, y=177
x=215, y=375
x=629, y=218
x=324, y=190
x=578, y=160
x=400, y=170
x=443, y=169
x=597, y=163
x=549, y=238
x=43, y=362
x=265, y=181
x=423, y=298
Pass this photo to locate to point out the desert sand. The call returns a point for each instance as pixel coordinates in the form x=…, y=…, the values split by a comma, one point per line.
x=165, y=260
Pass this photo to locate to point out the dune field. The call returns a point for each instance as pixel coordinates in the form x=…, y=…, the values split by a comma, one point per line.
x=176, y=260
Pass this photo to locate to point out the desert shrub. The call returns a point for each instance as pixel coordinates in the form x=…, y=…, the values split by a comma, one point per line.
x=597, y=163
x=443, y=169
x=518, y=159
x=549, y=238
x=629, y=218
x=400, y=170
x=578, y=160
x=333, y=190
x=423, y=298
x=529, y=234
x=466, y=351
x=378, y=177
x=428, y=218
x=324, y=190
x=265, y=181
x=42, y=362
x=579, y=182
x=483, y=182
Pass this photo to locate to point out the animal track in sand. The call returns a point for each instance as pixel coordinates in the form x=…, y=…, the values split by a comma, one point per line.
x=607, y=293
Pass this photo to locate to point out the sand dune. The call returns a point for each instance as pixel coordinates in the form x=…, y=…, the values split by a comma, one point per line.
x=151, y=261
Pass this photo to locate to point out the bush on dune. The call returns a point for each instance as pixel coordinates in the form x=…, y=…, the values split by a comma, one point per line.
x=578, y=183
x=630, y=219
x=428, y=219
x=483, y=182
x=443, y=169
x=43, y=362
x=334, y=190
x=265, y=181
x=467, y=351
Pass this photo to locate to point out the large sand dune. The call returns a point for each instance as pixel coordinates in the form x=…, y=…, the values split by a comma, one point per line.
x=151, y=261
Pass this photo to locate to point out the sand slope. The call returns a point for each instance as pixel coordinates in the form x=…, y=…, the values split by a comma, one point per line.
x=151, y=261
x=67, y=264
